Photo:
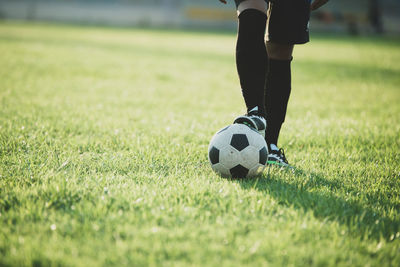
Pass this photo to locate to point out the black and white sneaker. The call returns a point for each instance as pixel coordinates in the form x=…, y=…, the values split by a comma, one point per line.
x=277, y=157
x=254, y=120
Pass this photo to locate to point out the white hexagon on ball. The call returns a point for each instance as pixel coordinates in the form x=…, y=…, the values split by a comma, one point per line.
x=229, y=157
x=247, y=157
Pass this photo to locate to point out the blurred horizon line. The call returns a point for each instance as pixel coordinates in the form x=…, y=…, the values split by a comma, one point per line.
x=355, y=17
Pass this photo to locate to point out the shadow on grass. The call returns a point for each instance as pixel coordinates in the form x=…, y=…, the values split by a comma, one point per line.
x=313, y=192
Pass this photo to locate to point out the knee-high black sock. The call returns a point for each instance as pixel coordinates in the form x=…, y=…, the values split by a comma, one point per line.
x=251, y=57
x=277, y=92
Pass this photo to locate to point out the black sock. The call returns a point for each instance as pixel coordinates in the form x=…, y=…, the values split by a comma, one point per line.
x=277, y=92
x=251, y=57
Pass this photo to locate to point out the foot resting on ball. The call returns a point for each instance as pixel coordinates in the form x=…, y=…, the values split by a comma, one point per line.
x=254, y=120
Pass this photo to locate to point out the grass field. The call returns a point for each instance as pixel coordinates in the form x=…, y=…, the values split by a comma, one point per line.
x=103, y=152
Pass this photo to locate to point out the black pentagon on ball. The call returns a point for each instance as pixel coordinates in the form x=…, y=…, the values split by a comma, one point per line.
x=239, y=171
x=263, y=156
x=214, y=155
x=239, y=141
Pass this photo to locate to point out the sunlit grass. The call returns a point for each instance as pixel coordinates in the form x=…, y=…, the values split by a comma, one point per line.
x=103, y=152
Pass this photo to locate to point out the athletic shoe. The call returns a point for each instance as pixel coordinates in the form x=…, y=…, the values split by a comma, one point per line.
x=277, y=157
x=254, y=120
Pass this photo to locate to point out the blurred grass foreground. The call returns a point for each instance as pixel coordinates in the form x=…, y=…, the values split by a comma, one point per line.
x=103, y=152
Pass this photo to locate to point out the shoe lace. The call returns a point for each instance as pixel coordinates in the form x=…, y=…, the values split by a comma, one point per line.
x=252, y=113
x=282, y=155
x=256, y=115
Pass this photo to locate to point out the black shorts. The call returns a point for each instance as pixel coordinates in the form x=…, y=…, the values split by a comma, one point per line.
x=288, y=21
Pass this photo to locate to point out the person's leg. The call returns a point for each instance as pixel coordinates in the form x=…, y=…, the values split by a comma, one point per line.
x=251, y=4
x=251, y=53
x=277, y=88
x=279, y=51
x=287, y=25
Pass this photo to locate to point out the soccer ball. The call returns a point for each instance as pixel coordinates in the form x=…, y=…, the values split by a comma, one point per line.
x=237, y=151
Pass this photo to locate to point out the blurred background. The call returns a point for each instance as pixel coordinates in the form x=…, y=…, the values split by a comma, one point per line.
x=351, y=16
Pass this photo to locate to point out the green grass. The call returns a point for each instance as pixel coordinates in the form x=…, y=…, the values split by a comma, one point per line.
x=103, y=152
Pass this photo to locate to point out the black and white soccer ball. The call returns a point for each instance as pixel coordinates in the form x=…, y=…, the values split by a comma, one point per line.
x=237, y=151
